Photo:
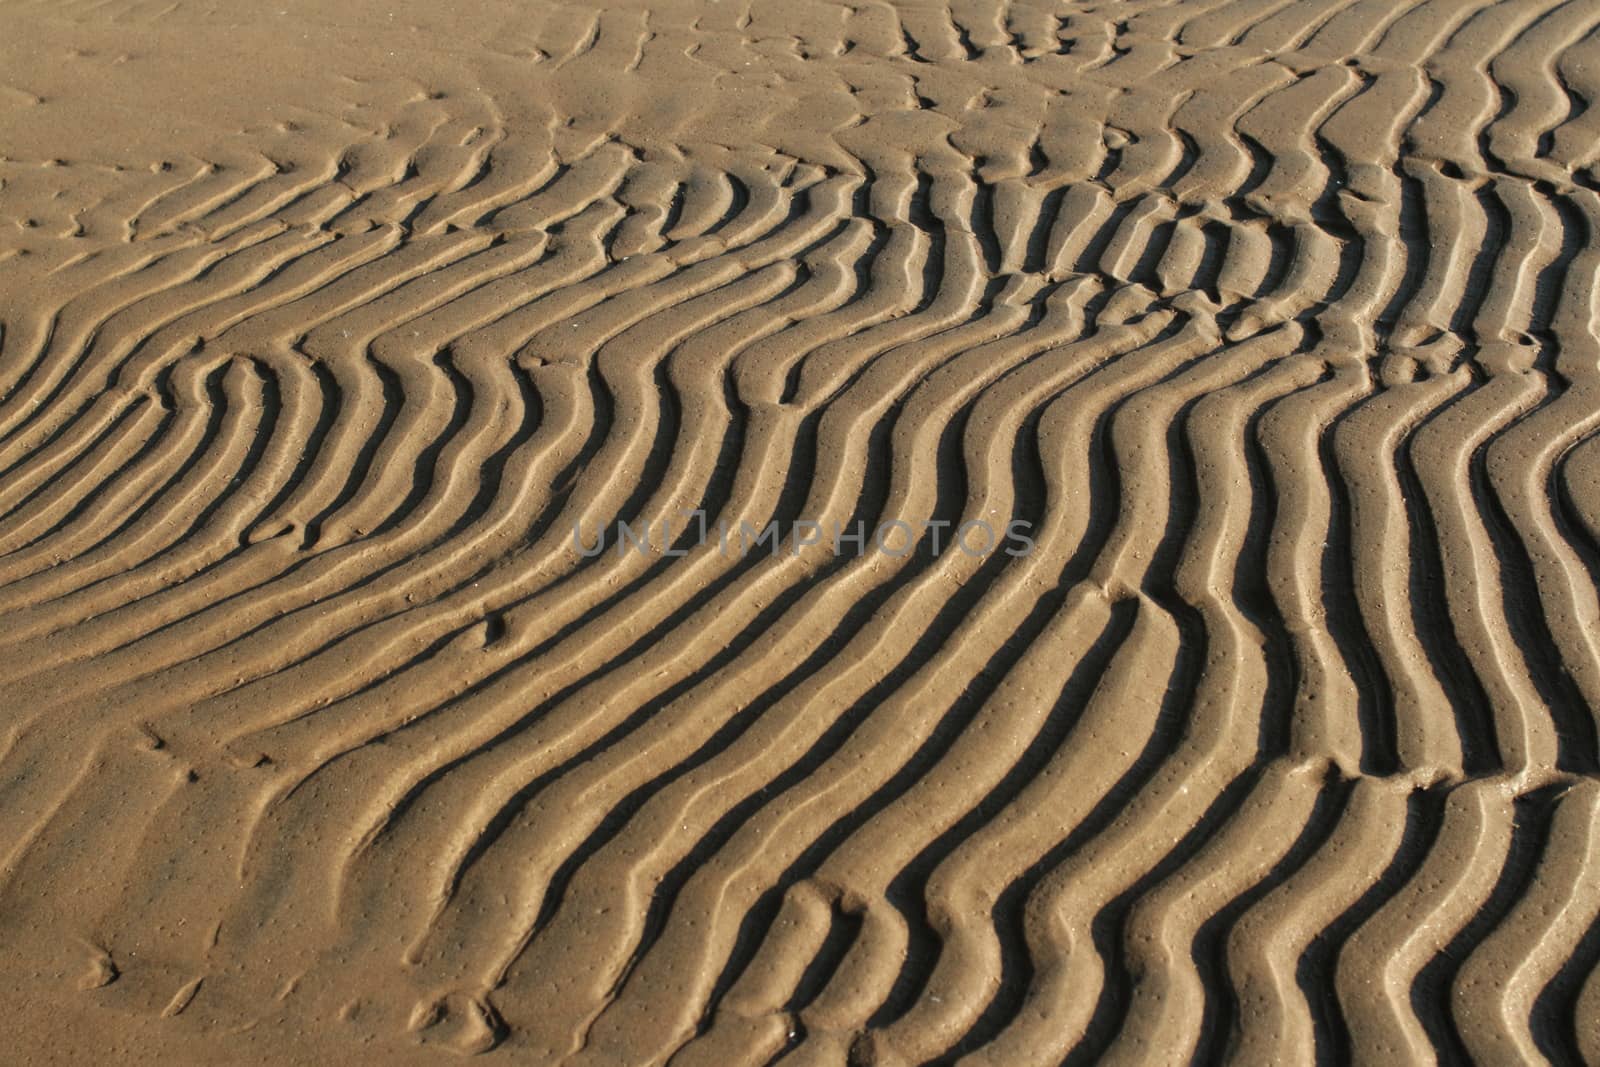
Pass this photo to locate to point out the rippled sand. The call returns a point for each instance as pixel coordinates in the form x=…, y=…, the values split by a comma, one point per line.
x=1272, y=326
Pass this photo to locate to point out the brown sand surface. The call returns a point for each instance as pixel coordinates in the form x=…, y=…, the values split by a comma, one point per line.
x=1273, y=324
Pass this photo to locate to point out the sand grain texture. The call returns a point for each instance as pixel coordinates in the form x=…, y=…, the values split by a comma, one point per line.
x=322, y=325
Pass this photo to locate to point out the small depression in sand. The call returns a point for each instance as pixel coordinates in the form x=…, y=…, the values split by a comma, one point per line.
x=746, y=531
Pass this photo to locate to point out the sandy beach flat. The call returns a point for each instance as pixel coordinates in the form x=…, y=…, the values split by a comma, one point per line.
x=821, y=532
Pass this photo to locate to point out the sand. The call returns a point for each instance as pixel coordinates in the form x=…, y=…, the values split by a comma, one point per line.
x=1178, y=639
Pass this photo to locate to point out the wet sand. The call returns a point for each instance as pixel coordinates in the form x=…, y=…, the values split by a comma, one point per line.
x=386, y=393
